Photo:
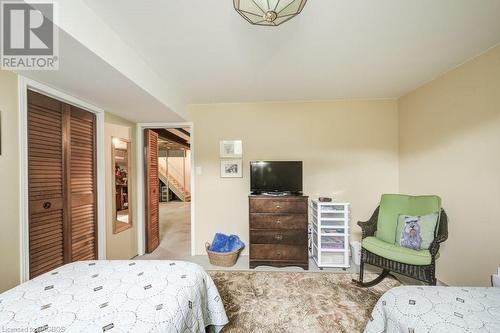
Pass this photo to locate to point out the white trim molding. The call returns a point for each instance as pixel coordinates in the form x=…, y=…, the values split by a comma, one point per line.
x=141, y=228
x=24, y=85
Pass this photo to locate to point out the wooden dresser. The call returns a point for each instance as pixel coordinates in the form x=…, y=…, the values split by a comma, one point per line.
x=278, y=231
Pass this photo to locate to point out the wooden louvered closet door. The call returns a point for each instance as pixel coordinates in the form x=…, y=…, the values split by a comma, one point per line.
x=81, y=179
x=45, y=184
x=61, y=184
x=152, y=191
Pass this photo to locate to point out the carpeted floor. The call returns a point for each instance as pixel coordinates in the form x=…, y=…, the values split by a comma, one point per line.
x=296, y=302
x=175, y=232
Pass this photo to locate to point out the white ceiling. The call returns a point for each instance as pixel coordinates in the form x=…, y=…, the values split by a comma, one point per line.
x=84, y=75
x=335, y=49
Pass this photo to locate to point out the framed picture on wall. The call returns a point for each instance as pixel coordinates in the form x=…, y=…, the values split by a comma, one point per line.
x=231, y=169
x=231, y=149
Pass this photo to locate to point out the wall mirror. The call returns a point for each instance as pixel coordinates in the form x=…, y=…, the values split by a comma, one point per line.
x=120, y=152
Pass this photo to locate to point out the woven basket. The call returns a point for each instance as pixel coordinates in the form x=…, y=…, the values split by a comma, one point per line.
x=223, y=259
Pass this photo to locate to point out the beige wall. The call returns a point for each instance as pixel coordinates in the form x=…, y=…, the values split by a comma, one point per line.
x=9, y=181
x=349, y=150
x=122, y=245
x=450, y=146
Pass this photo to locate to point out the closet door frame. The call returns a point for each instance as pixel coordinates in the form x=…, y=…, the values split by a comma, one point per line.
x=26, y=84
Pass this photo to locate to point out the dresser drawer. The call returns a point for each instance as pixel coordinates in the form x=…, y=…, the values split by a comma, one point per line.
x=278, y=206
x=278, y=252
x=288, y=237
x=277, y=221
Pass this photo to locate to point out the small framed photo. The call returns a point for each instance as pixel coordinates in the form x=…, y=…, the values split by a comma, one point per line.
x=231, y=149
x=231, y=169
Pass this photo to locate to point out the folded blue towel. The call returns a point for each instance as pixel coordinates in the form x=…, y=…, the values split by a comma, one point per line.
x=224, y=243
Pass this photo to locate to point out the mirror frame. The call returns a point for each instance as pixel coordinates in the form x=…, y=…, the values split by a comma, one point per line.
x=119, y=226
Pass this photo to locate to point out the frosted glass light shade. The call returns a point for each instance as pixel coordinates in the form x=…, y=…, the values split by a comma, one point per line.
x=268, y=12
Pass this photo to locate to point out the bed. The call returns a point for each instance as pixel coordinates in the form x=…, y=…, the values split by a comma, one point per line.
x=115, y=296
x=412, y=309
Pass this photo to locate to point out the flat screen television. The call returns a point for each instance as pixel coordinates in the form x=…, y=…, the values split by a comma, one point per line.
x=276, y=177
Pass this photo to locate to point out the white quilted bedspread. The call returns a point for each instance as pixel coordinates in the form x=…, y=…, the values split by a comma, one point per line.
x=413, y=309
x=115, y=296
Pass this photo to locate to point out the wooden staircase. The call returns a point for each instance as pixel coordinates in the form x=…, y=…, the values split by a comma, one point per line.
x=179, y=190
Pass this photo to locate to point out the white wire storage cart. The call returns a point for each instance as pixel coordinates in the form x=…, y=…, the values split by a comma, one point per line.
x=330, y=234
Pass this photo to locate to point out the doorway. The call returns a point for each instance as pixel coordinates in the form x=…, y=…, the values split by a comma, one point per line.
x=167, y=186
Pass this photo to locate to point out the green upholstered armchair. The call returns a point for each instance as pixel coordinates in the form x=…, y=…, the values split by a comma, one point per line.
x=379, y=248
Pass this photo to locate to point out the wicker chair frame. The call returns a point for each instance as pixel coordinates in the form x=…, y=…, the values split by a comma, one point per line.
x=424, y=273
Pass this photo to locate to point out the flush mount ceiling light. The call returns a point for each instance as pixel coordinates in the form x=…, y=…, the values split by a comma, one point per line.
x=268, y=12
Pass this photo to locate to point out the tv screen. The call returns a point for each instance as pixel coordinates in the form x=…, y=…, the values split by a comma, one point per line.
x=276, y=176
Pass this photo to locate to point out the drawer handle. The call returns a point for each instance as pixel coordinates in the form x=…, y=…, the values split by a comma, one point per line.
x=278, y=237
x=278, y=206
x=47, y=204
x=278, y=253
x=278, y=222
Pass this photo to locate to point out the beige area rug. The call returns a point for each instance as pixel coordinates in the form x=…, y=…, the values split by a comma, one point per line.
x=296, y=302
